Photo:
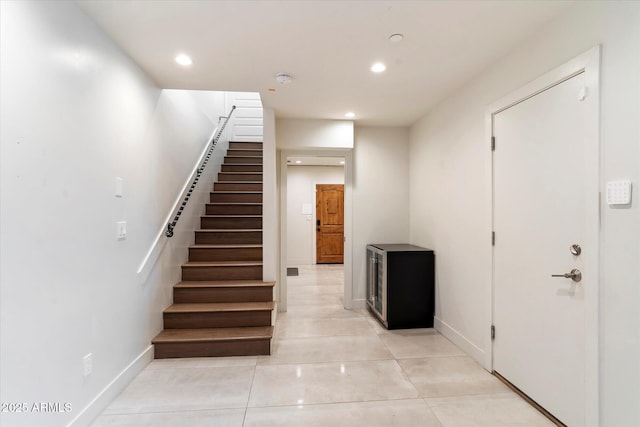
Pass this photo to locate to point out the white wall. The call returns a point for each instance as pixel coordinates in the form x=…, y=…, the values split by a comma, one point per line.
x=246, y=121
x=301, y=189
x=451, y=189
x=270, y=205
x=381, y=195
x=314, y=134
x=76, y=113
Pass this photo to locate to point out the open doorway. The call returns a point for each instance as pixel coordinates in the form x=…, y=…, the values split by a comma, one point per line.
x=304, y=229
x=315, y=220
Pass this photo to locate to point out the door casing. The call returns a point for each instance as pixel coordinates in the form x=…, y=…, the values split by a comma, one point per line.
x=348, y=220
x=589, y=64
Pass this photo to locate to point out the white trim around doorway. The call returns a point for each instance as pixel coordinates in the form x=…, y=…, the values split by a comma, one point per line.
x=348, y=221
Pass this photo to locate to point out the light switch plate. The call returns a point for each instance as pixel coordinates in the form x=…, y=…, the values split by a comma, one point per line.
x=119, y=187
x=121, y=229
x=619, y=192
x=87, y=365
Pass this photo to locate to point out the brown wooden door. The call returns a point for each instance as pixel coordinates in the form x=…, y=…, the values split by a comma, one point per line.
x=329, y=224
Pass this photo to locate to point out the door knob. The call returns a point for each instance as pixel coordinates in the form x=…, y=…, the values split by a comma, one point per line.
x=574, y=275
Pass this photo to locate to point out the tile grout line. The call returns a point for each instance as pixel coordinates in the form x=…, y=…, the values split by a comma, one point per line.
x=246, y=407
x=344, y=402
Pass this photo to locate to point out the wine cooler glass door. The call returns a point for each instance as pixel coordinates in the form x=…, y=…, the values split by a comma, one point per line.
x=375, y=282
x=379, y=285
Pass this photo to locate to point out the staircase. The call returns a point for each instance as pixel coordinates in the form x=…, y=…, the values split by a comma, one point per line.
x=222, y=307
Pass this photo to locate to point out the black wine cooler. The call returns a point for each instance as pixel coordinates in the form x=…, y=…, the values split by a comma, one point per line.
x=401, y=285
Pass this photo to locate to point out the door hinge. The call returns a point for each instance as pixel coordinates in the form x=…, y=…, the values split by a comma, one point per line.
x=493, y=143
x=493, y=238
x=493, y=332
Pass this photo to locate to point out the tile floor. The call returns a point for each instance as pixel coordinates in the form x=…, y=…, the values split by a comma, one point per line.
x=329, y=367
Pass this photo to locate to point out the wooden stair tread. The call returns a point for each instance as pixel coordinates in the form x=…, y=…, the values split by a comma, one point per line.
x=223, y=284
x=234, y=230
x=215, y=307
x=225, y=246
x=213, y=334
x=238, y=182
x=236, y=192
x=220, y=263
x=231, y=216
x=235, y=203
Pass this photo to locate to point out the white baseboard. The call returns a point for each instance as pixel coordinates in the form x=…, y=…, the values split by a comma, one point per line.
x=463, y=343
x=113, y=389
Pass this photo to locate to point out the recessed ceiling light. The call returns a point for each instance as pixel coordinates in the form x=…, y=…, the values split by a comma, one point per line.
x=350, y=115
x=396, y=38
x=184, y=60
x=298, y=162
x=378, y=67
x=342, y=162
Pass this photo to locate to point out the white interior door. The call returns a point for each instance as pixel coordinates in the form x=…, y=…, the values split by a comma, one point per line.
x=541, y=208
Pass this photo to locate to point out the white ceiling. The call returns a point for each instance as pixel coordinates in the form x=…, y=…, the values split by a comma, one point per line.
x=328, y=47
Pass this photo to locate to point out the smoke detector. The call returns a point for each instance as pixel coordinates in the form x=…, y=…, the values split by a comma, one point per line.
x=283, y=78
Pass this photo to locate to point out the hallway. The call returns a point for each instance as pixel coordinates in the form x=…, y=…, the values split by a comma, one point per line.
x=329, y=366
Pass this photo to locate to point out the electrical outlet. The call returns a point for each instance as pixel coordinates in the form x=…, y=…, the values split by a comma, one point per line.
x=87, y=365
x=121, y=229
